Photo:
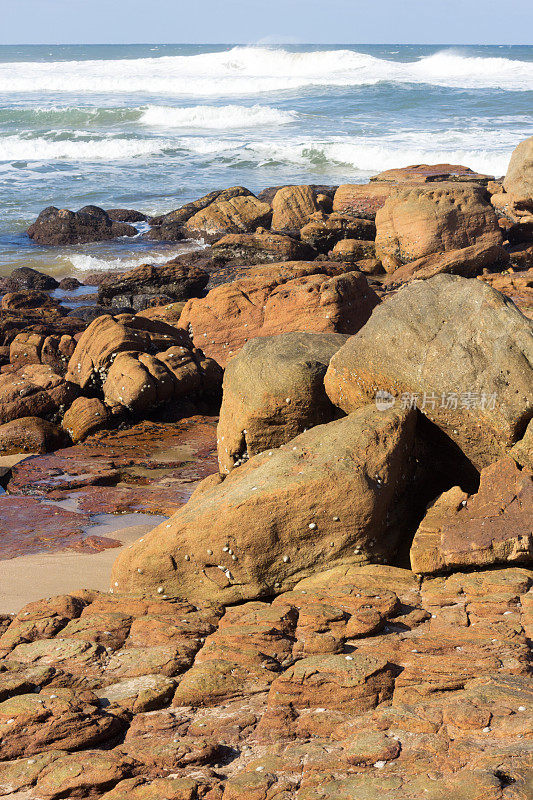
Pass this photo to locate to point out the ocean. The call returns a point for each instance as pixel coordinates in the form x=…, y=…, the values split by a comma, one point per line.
x=153, y=126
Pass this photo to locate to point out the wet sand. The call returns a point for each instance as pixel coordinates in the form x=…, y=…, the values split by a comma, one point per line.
x=32, y=577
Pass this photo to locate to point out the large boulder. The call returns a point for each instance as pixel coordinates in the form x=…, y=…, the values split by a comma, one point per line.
x=139, y=364
x=34, y=391
x=332, y=496
x=292, y=206
x=168, y=227
x=323, y=231
x=519, y=178
x=419, y=221
x=29, y=347
x=273, y=390
x=107, y=336
x=292, y=296
x=28, y=278
x=456, y=348
x=361, y=200
x=56, y=226
x=260, y=248
x=490, y=527
x=29, y=300
x=241, y=214
x=30, y=435
x=85, y=415
x=149, y=285
x=141, y=382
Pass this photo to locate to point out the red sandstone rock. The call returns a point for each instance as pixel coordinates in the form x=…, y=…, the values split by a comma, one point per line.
x=416, y=222
x=292, y=206
x=30, y=435
x=296, y=296
x=490, y=527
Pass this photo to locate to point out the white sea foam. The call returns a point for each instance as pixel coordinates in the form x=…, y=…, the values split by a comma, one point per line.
x=21, y=148
x=216, y=117
x=82, y=262
x=249, y=70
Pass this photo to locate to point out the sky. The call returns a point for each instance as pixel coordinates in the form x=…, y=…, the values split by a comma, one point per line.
x=267, y=21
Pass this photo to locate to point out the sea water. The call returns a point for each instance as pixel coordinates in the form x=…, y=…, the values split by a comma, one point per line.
x=152, y=127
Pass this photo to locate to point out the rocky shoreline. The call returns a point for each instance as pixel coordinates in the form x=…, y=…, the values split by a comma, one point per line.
x=321, y=421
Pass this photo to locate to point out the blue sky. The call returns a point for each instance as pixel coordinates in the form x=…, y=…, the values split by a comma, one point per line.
x=251, y=21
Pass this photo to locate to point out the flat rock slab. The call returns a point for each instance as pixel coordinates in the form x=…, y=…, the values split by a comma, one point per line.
x=151, y=468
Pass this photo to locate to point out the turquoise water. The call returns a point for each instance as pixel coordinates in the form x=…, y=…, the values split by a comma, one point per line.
x=151, y=127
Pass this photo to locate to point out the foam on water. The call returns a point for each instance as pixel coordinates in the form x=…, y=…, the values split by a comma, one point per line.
x=25, y=148
x=83, y=262
x=122, y=126
x=250, y=70
x=216, y=117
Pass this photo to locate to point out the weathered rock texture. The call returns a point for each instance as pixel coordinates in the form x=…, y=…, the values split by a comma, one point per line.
x=140, y=364
x=260, y=248
x=324, y=231
x=417, y=222
x=361, y=200
x=457, y=349
x=326, y=498
x=292, y=206
x=34, y=391
x=292, y=296
x=238, y=214
x=491, y=527
x=273, y=390
x=519, y=178
x=56, y=226
x=30, y=435
x=149, y=284
x=360, y=682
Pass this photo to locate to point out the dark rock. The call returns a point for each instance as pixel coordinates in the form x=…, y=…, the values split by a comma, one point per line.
x=28, y=299
x=90, y=313
x=56, y=226
x=28, y=278
x=30, y=435
x=125, y=215
x=69, y=284
x=149, y=285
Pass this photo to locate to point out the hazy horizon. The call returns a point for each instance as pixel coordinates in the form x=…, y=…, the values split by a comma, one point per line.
x=461, y=22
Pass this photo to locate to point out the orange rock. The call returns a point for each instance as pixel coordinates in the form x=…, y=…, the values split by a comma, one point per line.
x=292, y=296
x=258, y=382
x=236, y=215
x=519, y=178
x=457, y=381
x=416, y=222
x=490, y=527
x=292, y=206
x=85, y=415
x=281, y=515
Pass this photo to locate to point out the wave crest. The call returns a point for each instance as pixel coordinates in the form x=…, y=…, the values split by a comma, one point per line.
x=249, y=70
